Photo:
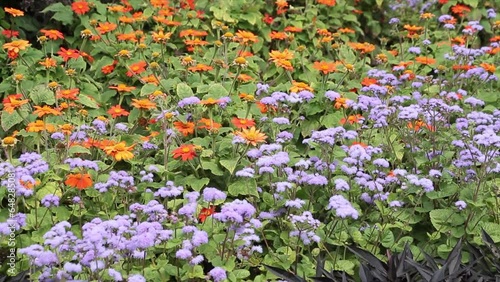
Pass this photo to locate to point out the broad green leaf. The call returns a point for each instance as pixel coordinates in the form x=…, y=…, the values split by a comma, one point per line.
x=243, y=187
x=442, y=219
x=41, y=94
x=10, y=120
x=213, y=167
x=230, y=165
x=196, y=183
x=62, y=13
x=217, y=91
x=87, y=101
x=184, y=91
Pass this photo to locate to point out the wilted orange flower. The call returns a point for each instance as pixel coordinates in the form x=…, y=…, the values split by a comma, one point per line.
x=117, y=111
x=246, y=37
x=241, y=123
x=252, y=136
x=184, y=128
x=69, y=94
x=352, y=119
x=13, y=102
x=120, y=151
x=488, y=67
x=52, y=34
x=459, y=40
x=329, y=3
x=185, y=152
x=208, y=124
x=264, y=108
x=460, y=10
x=206, y=212
x=425, y=60
x=299, y=86
x=200, y=68
x=106, y=27
x=341, y=102
x=48, y=63
x=16, y=45
x=79, y=180
x=362, y=47
x=46, y=110
x=122, y=88
x=136, y=68
x=143, y=104
x=418, y=124
x=14, y=12
x=346, y=30
x=293, y=29
x=131, y=37
x=282, y=6
x=80, y=7
x=325, y=67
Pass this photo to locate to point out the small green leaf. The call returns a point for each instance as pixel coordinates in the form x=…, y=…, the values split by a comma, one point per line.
x=87, y=101
x=217, y=91
x=184, y=91
x=230, y=165
x=62, y=13
x=243, y=187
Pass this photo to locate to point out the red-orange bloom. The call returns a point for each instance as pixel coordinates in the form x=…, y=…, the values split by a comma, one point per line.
x=106, y=27
x=184, y=128
x=67, y=54
x=329, y=3
x=325, y=67
x=241, y=123
x=208, y=124
x=80, y=7
x=206, y=212
x=352, y=119
x=117, y=111
x=52, y=34
x=185, y=152
x=69, y=94
x=460, y=10
x=425, y=60
x=143, y=104
x=137, y=68
x=79, y=180
x=13, y=102
x=14, y=12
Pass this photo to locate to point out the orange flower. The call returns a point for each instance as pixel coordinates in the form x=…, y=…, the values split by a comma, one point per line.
x=143, y=104
x=210, y=102
x=460, y=10
x=46, y=110
x=244, y=77
x=246, y=37
x=192, y=32
x=252, y=136
x=106, y=27
x=13, y=102
x=292, y=29
x=136, y=68
x=208, y=124
x=184, y=128
x=287, y=65
x=299, y=86
x=67, y=54
x=150, y=79
x=16, y=45
x=341, y=103
x=325, y=67
x=117, y=111
x=48, y=63
x=488, y=67
x=359, y=143
x=368, y=81
x=278, y=35
x=352, y=119
x=329, y=3
x=66, y=128
x=120, y=151
x=79, y=180
x=52, y=34
x=275, y=56
x=362, y=47
x=36, y=126
x=122, y=88
x=206, y=212
x=14, y=12
x=80, y=7
x=161, y=36
x=265, y=108
x=185, y=152
x=346, y=30
x=200, y=68
x=425, y=60
x=69, y=94
x=241, y=123
x=418, y=124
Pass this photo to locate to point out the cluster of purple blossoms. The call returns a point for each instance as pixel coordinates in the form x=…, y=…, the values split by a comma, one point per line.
x=14, y=223
x=188, y=249
x=304, y=228
x=79, y=163
x=343, y=208
x=119, y=179
x=23, y=175
x=169, y=190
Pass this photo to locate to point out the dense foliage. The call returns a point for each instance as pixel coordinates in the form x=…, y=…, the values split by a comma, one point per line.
x=250, y=140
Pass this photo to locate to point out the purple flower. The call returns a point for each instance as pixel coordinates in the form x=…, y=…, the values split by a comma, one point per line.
x=341, y=185
x=297, y=203
x=213, y=194
x=199, y=238
x=396, y=204
x=254, y=153
x=50, y=200
x=170, y=191
x=261, y=87
x=79, y=163
x=117, y=276
x=57, y=136
x=217, y=274
x=332, y=95
x=121, y=127
x=414, y=50
x=246, y=172
x=342, y=207
x=460, y=205
x=236, y=211
x=72, y=267
x=136, y=278
x=281, y=120
x=188, y=101
x=393, y=21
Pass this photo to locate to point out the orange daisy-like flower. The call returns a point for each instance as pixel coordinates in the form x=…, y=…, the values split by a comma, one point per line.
x=14, y=12
x=200, y=68
x=46, y=110
x=210, y=102
x=39, y=125
x=80, y=7
x=352, y=119
x=52, y=34
x=16, y=45
x=341, y=103
x=246, y=37
x=13, y=102
x=161, y=36
x=206, y=212
x=48, y=63
x=275, y=56
x=252, y=136
x=418, y=124
x=346, y=30
x=488, y=67
x=117, y=111
x=325, y=67
x=460, y=10
x=185, y=152
x=425, y=60
x=293, y=29
x=67, y=54
x=66, y=128
x=362, y=47
x=368, y=81
x=241, y=123
x=299, y=86
x=122, y=88
x=208, y=124
x=136, y=68
x=120, y=151
x=184, y=128
x=106, y=27
x=143, y=104
x=70, y=94
x=278, y=35
x=247, y=97
x=329, y=3
x=79, y=180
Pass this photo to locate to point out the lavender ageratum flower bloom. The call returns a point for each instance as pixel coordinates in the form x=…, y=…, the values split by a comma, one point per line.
x=254, y=153
x=217, y=274
x=57, y=136
x=461, y=205
x=281, y=120
x=393, y=21
x=396, y=204
x=332, y=95
x=297, y=203
x=197, y=260
x=235, y=211
x=306, y=95
x=188, y=101
x=211, y=194
x=78, y=136
x=491, y=14
x=192, y=196
x=261, y=87
x=170, y=190
x=266, y=169
x=342, y=207
x=414, y=50
x=72, y=267
x=246, y=172
x=117, y=276
x=269, y=101
x=146, y=145
x=341, y=185
x=121, y=127
x=50, y=200
x=474, y=102
x=199, y=238
x=79, y=163
x=136, y=278
x=188, y=210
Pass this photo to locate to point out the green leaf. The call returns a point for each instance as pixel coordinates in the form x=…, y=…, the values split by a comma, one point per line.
x=442, y=219
x=217, y=91
x=10, y=120
x=230, y=165
x=213, y=167
x=487, y=96
x=243, y=187
x=472, y=3
x=62, y=13
x=78, y=150
x=331, y=120
x=196, y=183
x=241, y=273
x=134, y=115
x=345, y=265
x=49, y=189
x=87, y=101
x=41, y=94
x=184, y=91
